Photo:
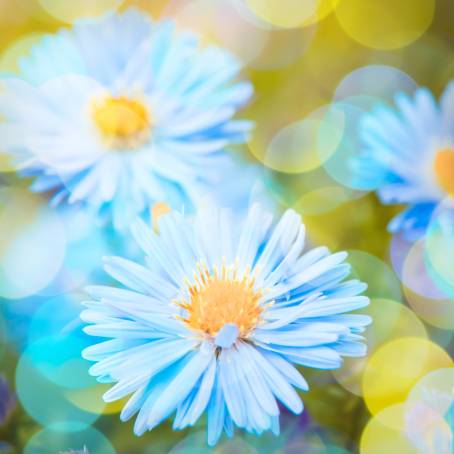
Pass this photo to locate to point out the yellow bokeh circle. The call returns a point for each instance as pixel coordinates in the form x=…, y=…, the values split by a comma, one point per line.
x=6, y=162
x=385, y=24
x=69, y=11
x=301, y=146
x=291, y=13
x=90, y=399
x=406, y=430
x=391, y=321
x=18, y=208
x=322, y=200
x=385, y=433
x=395, y=367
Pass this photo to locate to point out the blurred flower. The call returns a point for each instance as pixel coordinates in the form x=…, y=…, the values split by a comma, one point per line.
x=216, y=319
x=409, y=155
x=121, y=112
x=7, y=400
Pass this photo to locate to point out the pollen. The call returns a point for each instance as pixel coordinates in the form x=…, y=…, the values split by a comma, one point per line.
x=123, y=123
x=444, y=170
x=220, y=298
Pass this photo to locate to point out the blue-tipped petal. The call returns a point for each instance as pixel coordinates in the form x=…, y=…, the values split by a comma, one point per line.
x=415, y=130
x=170, y=102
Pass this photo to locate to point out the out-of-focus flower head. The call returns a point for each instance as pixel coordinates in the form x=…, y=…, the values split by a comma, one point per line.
x=7, y=400
x=409, y=156
x=217, y=319
x=121, y=112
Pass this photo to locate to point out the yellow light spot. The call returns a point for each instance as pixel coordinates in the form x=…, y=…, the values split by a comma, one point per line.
x=90, y=400
x=219, y=298
x=157, y=210
x=444, y=170
x=395, y=367
x=122, y=122
x=392, y=320
x=385, y=24
x=301, y=146
x=291, y=13
x=72, y=11
x=386, y=432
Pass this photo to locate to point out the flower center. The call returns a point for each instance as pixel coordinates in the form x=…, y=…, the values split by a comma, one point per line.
x=220, y=299
x=122, y=122
x=444, y=170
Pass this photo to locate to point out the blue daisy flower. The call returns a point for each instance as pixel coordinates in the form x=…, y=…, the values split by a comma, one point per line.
x=409, y=156
x=121, y=112
x=218, y=317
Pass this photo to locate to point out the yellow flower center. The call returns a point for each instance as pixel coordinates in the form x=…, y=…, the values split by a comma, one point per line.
x=122, y=122
x=444, y=170
x=222, y=298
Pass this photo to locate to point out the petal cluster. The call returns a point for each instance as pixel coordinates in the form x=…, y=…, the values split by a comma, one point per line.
x=401, y=150
x=171, y=366
x=121, y=112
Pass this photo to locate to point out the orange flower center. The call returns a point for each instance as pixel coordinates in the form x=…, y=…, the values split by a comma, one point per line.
x=122, y=122
x=444, y=170
x=221, y=298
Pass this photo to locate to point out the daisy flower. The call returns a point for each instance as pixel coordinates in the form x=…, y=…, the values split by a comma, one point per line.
x=218, y=318
x=121, y=112
x=409, y=156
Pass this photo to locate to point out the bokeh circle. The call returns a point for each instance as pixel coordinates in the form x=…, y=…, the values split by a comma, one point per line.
x=71, y=11
x=385, y=24
x=49, y=441
x=396, y=366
